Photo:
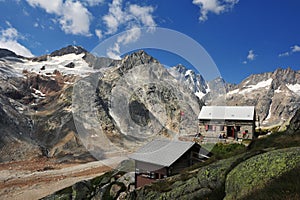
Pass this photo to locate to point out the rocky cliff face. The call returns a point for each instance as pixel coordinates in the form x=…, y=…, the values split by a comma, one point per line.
x=36, y=98
x=275, y=95
x=136, y=99
x=294, y=126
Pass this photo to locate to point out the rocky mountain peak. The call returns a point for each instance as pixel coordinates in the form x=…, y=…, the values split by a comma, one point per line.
x=286, y=75
x=68, y=50
x=136, y=59
x=139, y=56
x=180, y=68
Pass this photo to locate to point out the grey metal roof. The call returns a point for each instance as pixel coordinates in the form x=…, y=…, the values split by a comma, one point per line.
x=227, y=113
x=162, y=152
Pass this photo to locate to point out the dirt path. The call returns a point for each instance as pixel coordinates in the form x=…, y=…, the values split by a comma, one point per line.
x=36, y=179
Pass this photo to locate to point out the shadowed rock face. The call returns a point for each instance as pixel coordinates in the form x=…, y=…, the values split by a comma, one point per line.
x=67, y=50
x=7, y=53
x=139, y=113
x=294, y=127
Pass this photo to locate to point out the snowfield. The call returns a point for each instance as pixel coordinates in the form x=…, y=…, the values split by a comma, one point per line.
x=250, y=88
x=59, y=63
x=294, y=88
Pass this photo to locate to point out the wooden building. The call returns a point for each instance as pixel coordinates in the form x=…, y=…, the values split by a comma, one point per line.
x=237, y=122
x=162, y=158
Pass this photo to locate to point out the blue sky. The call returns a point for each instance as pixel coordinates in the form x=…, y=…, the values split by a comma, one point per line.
x=241, y=36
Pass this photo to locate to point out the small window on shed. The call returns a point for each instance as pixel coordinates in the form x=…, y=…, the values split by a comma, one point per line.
x=152, y=175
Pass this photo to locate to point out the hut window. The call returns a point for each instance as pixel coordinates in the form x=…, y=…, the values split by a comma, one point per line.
x=152, y=175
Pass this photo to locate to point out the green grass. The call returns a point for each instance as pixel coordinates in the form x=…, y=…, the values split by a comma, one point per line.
x=219, y=151
x=287, y=186
x=222, y=151
x=275, y=141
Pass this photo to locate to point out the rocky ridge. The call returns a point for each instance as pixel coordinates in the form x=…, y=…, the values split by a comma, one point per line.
x=37, y=96
x=275, y=95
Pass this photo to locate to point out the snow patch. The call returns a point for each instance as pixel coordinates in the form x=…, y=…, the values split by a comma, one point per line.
x=200, y=95
x=250, y=88
x=188, y=72
x=278, y=90
x=208, y=89
x=38, y=92
x=294, y=88
x=58, y=63
x=233, y=91
x=269, y=113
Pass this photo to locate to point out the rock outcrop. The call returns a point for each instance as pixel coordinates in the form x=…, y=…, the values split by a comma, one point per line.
x=275, y=95
x=257, y=172
x=294, y=126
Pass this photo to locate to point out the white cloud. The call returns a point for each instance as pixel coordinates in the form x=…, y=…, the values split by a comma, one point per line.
x=93, y=2
x=99, y=33
x=213, y=6
x=284, y=54
x=115, y=17
x=9, y=33
x=9, y=40
x=295, y=48
x=251, y=56
x=143, y=14
x=73, y=17
x=114, y=52
x=131, y=17
x=129, y=36
x=53, y=7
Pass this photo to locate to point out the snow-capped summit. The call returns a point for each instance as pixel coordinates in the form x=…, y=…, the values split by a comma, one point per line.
x=194, y=81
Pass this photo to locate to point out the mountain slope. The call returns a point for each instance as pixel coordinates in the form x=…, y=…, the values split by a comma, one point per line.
x=133, y=99
x=136, y=99
x=44, y=87
x=275, y=94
